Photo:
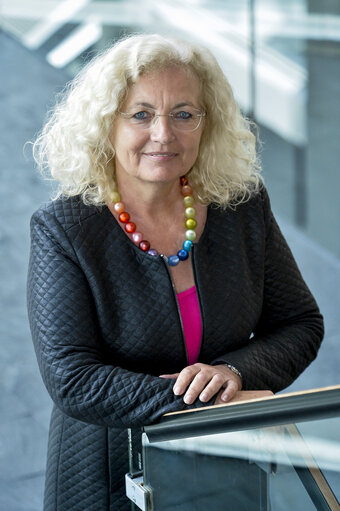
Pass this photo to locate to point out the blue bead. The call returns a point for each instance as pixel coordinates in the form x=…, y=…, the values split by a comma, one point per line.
x=187, y=245
x=173, y=260
x=183, y=255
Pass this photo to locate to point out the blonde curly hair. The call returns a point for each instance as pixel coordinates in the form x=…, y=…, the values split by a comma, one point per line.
x=74, y=147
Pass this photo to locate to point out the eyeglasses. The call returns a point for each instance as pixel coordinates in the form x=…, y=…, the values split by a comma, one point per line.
x=187, y=119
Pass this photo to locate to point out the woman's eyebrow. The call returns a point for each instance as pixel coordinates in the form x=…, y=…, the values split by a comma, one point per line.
x=148, y=105
x=184, y=103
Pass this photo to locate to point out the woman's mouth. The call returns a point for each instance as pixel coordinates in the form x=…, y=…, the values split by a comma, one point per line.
x=160, y=156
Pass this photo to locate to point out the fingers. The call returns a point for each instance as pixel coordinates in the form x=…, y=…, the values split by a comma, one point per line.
x=204, y=381
x=212, y=388
x=186, y=376
x=230, y=390
x=170, y=376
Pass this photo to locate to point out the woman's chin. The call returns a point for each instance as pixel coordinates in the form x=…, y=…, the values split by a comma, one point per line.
x=160, y=175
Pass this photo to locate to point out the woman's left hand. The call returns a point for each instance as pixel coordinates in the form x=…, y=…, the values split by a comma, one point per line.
x=204, y=381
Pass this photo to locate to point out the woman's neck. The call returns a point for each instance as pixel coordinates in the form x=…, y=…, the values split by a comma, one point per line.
x=150, y=199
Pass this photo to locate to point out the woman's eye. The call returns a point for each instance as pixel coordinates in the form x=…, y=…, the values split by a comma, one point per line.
x=182, y=115
x=142, y=116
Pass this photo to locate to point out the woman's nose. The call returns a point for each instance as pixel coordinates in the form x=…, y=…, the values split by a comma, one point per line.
x=161, y=130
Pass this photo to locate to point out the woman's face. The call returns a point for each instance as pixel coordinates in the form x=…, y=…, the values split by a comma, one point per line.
x=160, y=153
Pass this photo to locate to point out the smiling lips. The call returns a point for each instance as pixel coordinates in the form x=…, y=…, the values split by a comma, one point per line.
x=161, y=156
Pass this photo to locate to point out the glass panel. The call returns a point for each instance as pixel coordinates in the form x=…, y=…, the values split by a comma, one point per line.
x=272, y=468
x=298, y=109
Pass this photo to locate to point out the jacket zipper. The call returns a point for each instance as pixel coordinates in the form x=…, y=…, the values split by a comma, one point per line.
x=164, y=259
x=193, y=252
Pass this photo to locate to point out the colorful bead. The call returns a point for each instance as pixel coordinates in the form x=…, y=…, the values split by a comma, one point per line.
x=187, y=244
x=190, y=212
x=182, y=255
x=115, y=197
x=130, y=227
x=188, y=201
x=152, y=252
x=190, y=235
x=190, y=223
x=119, y=207
x=137, y=237
x=173, y=260
x=186, y=190
x=124, y=217
x=144, y=245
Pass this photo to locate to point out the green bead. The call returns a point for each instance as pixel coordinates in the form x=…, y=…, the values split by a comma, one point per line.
x=190, y=212
x=115, y=197
x=190, y=235
x=190, y=223
x=188, y=201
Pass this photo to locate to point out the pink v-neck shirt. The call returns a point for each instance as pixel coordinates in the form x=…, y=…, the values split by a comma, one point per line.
x=192, y=324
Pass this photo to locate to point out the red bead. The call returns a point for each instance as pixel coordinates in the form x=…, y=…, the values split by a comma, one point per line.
x=124, y=217
x=130, y=227
x=184, y=181
x=144, y=245
x=186, y=190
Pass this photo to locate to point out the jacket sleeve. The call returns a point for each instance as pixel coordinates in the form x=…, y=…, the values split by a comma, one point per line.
x=67, y=341
x=290, y=330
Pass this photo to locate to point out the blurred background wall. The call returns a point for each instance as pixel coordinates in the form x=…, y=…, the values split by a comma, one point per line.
x=283, y=61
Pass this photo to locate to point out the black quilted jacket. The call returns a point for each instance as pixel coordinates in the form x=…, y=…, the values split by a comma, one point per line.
x=105, y=324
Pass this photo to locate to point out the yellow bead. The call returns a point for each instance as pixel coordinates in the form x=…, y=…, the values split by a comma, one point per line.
x=188, y=201
x=115, y=197
x=190, y=212
x=190, y=235
x=190, y=223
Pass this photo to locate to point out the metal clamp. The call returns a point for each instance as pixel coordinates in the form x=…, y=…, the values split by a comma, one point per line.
x=136, y=492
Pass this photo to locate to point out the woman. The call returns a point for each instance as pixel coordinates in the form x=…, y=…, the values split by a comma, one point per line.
x=148, y=137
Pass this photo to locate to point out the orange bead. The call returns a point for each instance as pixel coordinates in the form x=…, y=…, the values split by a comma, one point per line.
x=124, y=217
x=119, y=207
x=130, y=227
x=186, y=190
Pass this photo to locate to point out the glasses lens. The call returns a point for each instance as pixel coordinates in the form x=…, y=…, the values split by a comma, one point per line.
x=186, y=119
x=142, y=118
x=183, y=119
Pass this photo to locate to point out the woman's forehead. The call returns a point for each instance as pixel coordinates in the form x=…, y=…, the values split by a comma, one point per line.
x=175, y=84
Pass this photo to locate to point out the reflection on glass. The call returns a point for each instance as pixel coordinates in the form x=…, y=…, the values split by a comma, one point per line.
x=273, y=468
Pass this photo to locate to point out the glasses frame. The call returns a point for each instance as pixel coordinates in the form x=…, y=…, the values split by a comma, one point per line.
x=201, y=115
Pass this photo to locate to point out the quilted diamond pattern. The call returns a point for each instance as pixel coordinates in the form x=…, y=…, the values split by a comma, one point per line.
x=104, y=324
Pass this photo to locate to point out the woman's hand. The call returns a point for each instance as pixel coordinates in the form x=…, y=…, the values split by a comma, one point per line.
x=204, y=381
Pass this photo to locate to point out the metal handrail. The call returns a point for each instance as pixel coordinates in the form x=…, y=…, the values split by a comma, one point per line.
x=270, y=411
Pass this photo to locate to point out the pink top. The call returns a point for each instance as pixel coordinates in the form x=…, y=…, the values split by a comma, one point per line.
x=192, y=324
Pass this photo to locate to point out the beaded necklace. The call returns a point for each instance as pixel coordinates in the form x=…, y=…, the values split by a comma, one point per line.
x=137, y=237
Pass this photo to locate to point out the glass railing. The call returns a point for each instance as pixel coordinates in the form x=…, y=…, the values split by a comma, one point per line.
x=269, y=454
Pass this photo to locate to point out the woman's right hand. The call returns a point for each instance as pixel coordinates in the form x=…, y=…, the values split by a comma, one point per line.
x=203, y=381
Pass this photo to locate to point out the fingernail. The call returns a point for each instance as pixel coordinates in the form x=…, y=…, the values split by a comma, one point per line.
x=204, y=397
x=176, y=390
x=224, y=397
x=188, y=399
